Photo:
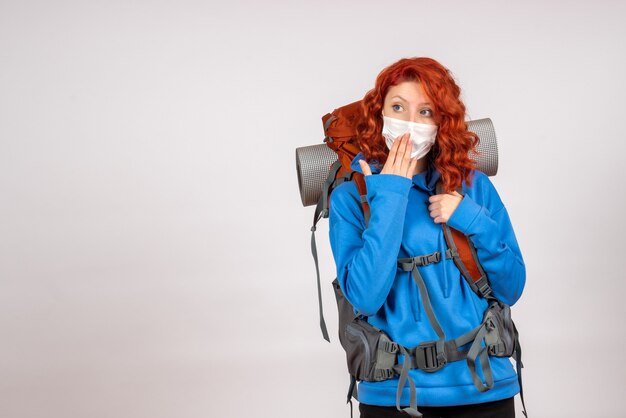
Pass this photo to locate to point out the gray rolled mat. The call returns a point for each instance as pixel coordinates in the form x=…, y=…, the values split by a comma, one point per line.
x=313, y=162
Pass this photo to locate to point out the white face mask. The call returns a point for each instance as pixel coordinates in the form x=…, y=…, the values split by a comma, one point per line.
x=422, y=135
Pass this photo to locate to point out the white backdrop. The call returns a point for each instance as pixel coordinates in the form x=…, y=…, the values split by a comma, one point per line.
x=154, y=253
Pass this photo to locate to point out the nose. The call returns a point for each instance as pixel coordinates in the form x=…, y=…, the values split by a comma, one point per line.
x=414, y=116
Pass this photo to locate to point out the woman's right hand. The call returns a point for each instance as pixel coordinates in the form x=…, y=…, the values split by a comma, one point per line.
x=399, y=160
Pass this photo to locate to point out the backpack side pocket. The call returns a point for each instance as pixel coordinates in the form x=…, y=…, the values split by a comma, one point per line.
x=501, y=339
x=370, y=353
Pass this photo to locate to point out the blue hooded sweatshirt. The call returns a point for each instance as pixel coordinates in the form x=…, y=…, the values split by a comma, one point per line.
x=400, y=226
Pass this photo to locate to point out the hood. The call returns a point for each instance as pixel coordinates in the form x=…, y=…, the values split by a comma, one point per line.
x=426, y=180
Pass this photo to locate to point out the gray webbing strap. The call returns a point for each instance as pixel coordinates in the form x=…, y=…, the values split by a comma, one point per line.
x=404, y=376
x=467, y=337
x=319, y=286
x=452, y=351
x=347, y=176
x=327, y=124
x=366, y=214
x=476, y=351
x=321, y=211
x=429, y=312
x=407, y=264
x=351, y=392
x=328, y=184
x=518, y=366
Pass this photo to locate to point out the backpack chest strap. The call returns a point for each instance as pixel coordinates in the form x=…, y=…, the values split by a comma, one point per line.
x=409, y=263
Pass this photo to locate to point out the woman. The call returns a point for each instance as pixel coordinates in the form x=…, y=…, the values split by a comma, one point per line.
x=411, y=136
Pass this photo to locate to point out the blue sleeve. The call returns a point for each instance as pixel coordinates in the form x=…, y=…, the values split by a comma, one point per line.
x=366, y=259
x=486, y=221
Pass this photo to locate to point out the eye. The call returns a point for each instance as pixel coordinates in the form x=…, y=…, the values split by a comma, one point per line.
x=426, y=112
x=396, y=107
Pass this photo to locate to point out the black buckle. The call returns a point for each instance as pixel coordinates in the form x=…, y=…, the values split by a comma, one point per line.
x=424, y=260
x=483, y=286
x=496, y=349
x=427, y=358
x=388, y=346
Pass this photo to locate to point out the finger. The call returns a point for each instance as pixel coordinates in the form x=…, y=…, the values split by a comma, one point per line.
x=435, y=198
x=365, y=168
x=406, y=157
x=434, y=206
x=391, y=157
x=435, y=213
x=439, y=218
x=412, y=167
x=401, y=149
x=397, y=163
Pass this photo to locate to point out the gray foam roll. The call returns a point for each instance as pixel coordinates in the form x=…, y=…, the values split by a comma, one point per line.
x=487, y=149
x=313, y=162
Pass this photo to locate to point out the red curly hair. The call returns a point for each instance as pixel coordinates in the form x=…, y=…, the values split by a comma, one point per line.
x=450, y=151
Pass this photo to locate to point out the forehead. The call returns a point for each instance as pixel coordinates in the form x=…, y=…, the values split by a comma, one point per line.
x=411, y=91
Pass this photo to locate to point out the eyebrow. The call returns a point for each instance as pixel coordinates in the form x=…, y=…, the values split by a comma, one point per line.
x=404, y=100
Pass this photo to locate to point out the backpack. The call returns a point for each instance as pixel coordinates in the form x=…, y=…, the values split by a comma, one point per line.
x=371, y=355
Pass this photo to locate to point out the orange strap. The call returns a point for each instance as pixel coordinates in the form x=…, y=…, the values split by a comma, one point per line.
x=465, y=254
x=466, y=261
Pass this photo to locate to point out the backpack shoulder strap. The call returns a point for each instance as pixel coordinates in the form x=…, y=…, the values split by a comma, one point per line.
x=462, y=251
x=359, y=179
